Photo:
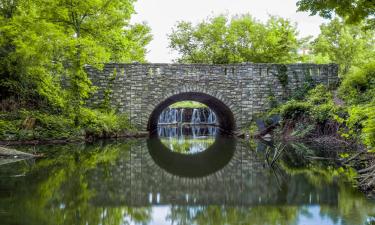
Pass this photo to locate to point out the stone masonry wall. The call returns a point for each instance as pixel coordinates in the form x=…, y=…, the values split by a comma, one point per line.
x=136, y=89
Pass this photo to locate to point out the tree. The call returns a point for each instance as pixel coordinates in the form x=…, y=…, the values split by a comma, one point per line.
x=343, y=44
x=353, y=11
x=220, y=40
x=53, y=40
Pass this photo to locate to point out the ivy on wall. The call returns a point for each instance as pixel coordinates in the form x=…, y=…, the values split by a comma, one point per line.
x=106, y=104
x=282, y=75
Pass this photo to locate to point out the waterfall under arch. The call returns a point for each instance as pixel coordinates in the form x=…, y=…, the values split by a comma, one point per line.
x=224, y=116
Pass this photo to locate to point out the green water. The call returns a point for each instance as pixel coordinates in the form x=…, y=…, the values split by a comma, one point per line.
x=142, y=182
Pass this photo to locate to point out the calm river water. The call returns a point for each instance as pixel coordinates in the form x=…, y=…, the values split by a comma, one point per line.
x=184, y=176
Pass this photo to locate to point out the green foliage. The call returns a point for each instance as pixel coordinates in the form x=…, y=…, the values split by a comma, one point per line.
x=102, y=124
x=44, y=48
x=358, y=91
x=221, y=40
x=282, y=75
x=46, y=126
x=43, y=126
x=353, y=11
x=46, y=42
x=359, y=86
x=188, y=104
x=106, y=104
x=188, y=145
x=348, y=46
x=8, y=129
x=293, y=110
x=317, y=103
x=361, y=123
x=315, y=113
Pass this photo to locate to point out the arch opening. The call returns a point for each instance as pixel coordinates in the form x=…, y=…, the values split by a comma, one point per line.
x=224, y=114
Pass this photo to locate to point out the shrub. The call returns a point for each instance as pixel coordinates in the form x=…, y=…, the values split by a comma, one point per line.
x=98, y=123
x=361, y=123
x=30, y=125
x=359, y=86
x=294, y=109
x=358, y=90
x=8, y=129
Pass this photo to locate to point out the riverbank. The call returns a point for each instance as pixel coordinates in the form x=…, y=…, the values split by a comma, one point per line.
x=88, y=139
x=43, y=127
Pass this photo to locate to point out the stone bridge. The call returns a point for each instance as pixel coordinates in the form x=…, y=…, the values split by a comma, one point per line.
x=235, y=92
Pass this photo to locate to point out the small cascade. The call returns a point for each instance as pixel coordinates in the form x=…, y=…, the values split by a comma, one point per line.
x=196, y=117
x=181, y=116
x=187, y=116
x=211, y=117
x=170, y=116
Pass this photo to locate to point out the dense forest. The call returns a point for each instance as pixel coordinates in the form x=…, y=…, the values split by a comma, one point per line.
x=46, y=44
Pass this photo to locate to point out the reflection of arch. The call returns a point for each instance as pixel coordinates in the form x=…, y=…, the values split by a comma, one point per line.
x=201, y=164
x=223, y=112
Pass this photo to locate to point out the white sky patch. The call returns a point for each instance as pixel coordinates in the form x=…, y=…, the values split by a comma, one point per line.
x=162, y=15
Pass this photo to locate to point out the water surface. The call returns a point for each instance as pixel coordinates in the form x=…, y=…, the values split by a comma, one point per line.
x=144, y=181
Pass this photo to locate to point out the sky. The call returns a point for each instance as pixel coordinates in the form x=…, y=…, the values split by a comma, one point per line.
x=163, y=15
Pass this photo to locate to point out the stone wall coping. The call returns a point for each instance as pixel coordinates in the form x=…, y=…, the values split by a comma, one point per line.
x=212, y=65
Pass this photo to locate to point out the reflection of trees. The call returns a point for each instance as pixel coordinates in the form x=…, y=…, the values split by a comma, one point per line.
x=188, y=145
x=56, y=190
x=352, y=207
x=217, y=215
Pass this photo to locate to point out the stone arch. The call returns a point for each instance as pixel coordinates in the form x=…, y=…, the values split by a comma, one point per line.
x=224, y=110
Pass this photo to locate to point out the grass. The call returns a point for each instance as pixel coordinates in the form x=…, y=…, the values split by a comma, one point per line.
x=188, y=104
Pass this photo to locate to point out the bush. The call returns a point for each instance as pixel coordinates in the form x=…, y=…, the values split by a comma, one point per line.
x=31, y=125
x=293, y=110
x=358, y=90
x=359, y=85
x=8, y=130
x=98, y=123
x=361, y=123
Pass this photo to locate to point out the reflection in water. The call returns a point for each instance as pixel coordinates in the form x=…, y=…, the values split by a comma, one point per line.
x=187, y=139
x=125, y=182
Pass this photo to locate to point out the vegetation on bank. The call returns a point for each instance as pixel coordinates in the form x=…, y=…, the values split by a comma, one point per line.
x=338, y=118
x=347, y=113
x=24, y=125
x=44, y=48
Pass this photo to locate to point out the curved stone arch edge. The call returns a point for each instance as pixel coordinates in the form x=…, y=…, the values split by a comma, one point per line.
x=184, y=90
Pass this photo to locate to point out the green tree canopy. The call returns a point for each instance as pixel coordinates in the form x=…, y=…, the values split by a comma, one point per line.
x=221, y=40
x=44, y=42
x=343, y=44
x=353, y=11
